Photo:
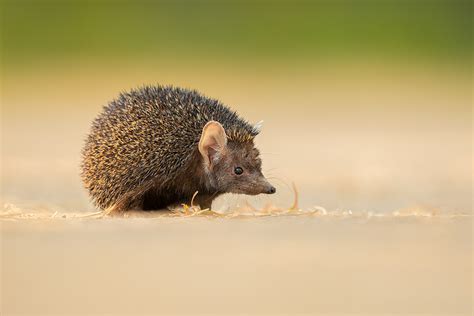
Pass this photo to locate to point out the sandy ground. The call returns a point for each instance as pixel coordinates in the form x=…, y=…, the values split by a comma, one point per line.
x=381, y=157
x=284, y=265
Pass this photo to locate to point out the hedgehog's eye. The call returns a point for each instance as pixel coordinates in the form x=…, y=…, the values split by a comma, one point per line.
x=238, y=171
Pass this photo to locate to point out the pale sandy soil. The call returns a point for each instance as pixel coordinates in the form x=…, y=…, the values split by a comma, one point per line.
x=286, y=265
x=382, y=158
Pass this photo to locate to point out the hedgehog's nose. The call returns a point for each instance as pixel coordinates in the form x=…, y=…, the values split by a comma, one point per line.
x=264, y=186
x=271, y=190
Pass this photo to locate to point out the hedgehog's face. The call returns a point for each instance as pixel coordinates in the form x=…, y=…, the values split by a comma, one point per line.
x=232, y=166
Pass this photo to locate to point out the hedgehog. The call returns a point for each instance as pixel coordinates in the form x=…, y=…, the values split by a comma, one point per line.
x=156, y=147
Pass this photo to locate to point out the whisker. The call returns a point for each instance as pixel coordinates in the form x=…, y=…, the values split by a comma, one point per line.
x=280, y=180
x=270, y=170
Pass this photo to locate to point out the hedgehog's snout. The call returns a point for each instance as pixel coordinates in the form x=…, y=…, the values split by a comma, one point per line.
x=271, y=190
x=266, y=187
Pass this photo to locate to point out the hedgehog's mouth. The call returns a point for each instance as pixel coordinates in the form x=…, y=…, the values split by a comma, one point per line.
x=260, y=187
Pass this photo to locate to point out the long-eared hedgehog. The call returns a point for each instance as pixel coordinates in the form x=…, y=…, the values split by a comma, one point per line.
x=155, y=146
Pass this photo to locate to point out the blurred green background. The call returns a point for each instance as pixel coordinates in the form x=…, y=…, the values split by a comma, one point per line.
x=227, y=30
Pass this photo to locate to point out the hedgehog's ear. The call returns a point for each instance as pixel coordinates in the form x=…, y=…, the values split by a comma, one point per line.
x=213, y=141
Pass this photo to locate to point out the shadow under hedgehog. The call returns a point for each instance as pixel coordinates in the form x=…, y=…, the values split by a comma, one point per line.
x=155, y=146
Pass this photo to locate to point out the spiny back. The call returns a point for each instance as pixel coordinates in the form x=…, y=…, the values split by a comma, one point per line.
x=147, y=133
